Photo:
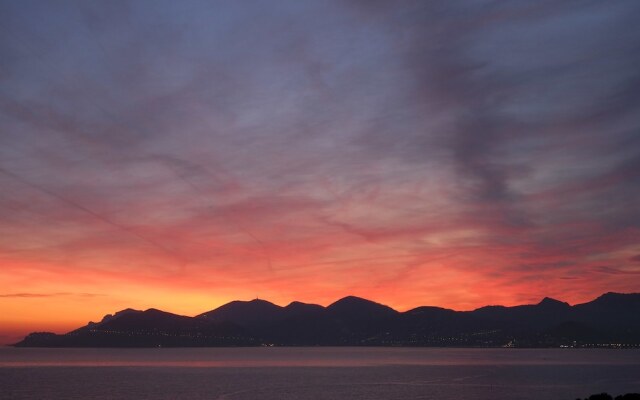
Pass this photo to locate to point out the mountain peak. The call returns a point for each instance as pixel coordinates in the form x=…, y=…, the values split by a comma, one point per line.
x=244, y=312
x=612, y=295
x=157, y=312
x=612, y=298
x=549, y=302
x=120, y=313
x=296, y=308
x=357, y=307
x=299, y=304
x=260, y=301
x=352, y=300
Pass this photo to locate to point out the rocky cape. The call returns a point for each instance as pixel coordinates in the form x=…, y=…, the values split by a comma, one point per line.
x=611, y=320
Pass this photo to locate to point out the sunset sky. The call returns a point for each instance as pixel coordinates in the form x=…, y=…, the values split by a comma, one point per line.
x=183, y=154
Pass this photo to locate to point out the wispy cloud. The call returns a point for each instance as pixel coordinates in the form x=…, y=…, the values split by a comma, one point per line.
x=415, y=152
x=39, y=295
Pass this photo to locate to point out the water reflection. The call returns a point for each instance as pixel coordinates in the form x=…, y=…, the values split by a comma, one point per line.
x=310, y=357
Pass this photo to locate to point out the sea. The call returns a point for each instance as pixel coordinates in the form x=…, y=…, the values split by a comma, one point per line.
x=330, y=373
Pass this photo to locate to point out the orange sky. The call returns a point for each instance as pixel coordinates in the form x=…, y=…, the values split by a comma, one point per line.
x=415, y=153
x=59, y=298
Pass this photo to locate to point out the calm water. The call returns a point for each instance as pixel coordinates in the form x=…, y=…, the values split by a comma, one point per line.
x=315, y=373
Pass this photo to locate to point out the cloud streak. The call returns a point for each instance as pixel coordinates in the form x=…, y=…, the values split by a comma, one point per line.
x=415, y=153
x=41, y=295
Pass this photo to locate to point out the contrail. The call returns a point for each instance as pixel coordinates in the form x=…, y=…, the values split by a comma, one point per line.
x=87, y=210
x=389, y=257
x=234, y=221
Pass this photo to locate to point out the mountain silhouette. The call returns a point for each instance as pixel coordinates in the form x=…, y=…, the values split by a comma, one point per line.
x=356, y=308
x=296, y=308
x=548, y=302
x=245, y=313
x=612, y=319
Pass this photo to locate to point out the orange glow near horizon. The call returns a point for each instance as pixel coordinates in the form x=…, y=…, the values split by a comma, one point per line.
x=57, y=298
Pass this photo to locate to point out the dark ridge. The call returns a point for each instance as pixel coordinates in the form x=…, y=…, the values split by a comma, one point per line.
x=297, y=308
x=423, y=310
x=549, y=302
x=612, y=299
x=611, y=320
x=244, y=313
x=356, y=307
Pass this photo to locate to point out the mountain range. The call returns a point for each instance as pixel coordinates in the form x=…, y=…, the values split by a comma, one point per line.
x=611, y=320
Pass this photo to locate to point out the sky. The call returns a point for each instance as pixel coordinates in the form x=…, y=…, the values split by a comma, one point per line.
x=180, y=155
